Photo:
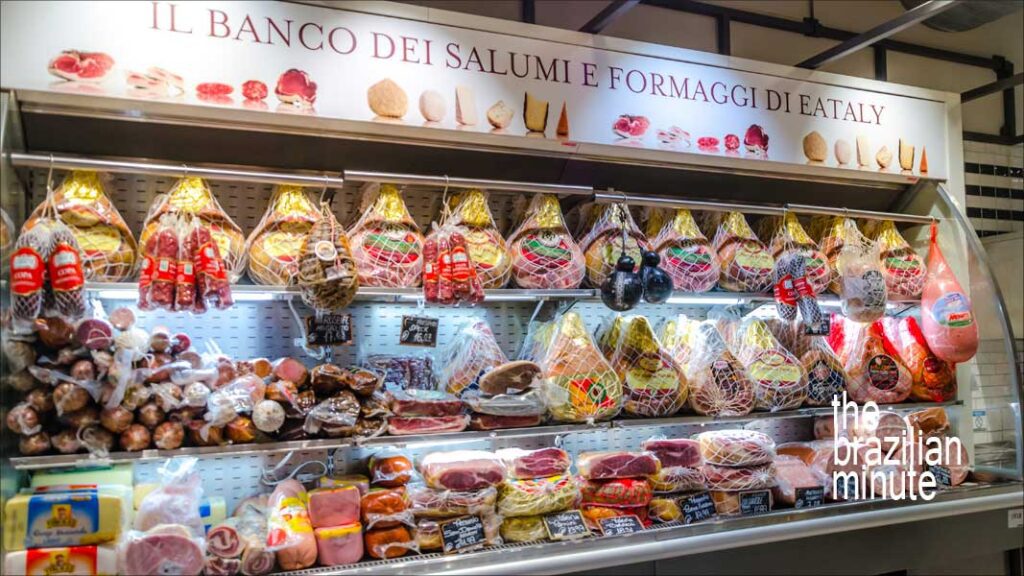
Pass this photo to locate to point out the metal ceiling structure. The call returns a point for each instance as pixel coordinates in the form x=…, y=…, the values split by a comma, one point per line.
x=609, y=14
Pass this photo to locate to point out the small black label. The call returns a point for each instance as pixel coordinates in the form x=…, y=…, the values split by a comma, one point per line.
x=566, y=525
x=942, y=476
x=846, y=488
x=329, y=330
x=419, y=331
x=697, y=507
x=821, y=328
x=755, y=502
x=621, y=525
x=810, y=497
x=462, y=534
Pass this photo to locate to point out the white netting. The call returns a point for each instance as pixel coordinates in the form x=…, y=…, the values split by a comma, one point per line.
x=826, y=377
x=449, y=273
x=608, y=334
x=874, y=373
x=472, y=217
x=107, y=245
x=610, y=233
x=190, y=196
x=800, y=273
x=159, y=254
x=675, y=336
x=653, y=384
x=735, y=479
x=745, y=262
x=934, y=379
x=544, y=255
x=904, y=269
x=678, y=479
x=327, y=271
x=579, y=384
x=386, y=242
x=719, y=384
x=686, y=255
x=213, y=287
x=778, y=377
x=829, y=232
x=862, y=291
x=736, y=448
x=275, y=246
x=470, y=353
x=538, y=496
x=788, y=235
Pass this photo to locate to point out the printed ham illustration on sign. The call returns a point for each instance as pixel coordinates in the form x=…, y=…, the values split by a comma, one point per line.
x=78, y=66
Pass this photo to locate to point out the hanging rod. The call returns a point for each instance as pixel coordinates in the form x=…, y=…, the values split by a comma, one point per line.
x=20, y=159
x=865, y=214
x=612, y=196
x=454, y=182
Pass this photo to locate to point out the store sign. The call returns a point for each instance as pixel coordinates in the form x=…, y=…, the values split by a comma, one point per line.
x=329, y=329
x=419, y=331
x=292, y=58
x=697, y=507
x=462, y=534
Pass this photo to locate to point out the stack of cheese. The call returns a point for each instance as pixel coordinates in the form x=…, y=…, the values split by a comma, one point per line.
x=680, y=475
x=458, y=486
x=538, y=484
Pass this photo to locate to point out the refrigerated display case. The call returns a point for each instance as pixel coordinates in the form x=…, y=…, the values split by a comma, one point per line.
x=144, y=146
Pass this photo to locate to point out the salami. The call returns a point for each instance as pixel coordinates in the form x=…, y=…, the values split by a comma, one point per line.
x=28, y=275
x=67, y=279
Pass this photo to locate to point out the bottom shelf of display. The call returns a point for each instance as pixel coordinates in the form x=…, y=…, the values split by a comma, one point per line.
x=677, y=539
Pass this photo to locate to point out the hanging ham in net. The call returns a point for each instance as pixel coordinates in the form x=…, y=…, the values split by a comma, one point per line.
x=789, y=237
x=719, y=385
x=686, y=255
x=191, y=196
x=862, y=287
x=675, y=334
x=579, y=384
x=875, y=373
x=745, y=263
x=947, y=318
x=472, y=217
x=829, y=231
x=544, y=255
x=604, y=243
x=826, y=377
x=904, y=270
x=327, y=271
x=653, y=384
x=777, y=375
x=386, y=242
x=275, y=246
x=107, y=245
x=470, y=354
x=934, y=379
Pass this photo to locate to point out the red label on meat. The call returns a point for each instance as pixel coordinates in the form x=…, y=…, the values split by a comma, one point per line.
x=27, y=272
x=66, y=269
x=166, y=270
x=883, y=372
x=210, y=263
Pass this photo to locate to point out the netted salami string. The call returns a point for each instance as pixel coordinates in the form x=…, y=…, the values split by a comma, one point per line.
x=160, y=266
x=67, y=279
x=789, y=237
x=185, y=278
x=28, y=275
x=212, y=284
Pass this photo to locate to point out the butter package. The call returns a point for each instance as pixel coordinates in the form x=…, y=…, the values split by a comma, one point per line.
x=72, y=561
x=72, y=518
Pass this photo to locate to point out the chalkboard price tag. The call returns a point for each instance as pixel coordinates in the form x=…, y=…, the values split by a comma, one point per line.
x=566, y=525
x=697, y=507
x=942, y=476
x=846, y=489
x=810, y=497
x=329, y=330
x=419, y=331
x=462, y=534
x=621, y=525
x=755, y=502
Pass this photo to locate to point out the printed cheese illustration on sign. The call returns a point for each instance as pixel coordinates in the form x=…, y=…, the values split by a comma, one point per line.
x=500, y=115
x=535, y=113
x=465, y=106
x=906, y=155
x=563, y=122
x=863, y=151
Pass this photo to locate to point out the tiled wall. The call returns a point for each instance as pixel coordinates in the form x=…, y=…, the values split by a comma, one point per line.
x=991, y=400
x=995, y=187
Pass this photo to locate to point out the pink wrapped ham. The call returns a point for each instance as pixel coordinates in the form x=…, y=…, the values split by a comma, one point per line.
x=425, y=403
x=398, y=426
x=947, y=318
x=736, y=448
x=616, y=464
x=163, y=549
x=543, y=462
x=674, y=451
x=430, y=503
x=334, y=506
x=792, y=474
x=338, y=545
x=462, y=470
x=729, y=478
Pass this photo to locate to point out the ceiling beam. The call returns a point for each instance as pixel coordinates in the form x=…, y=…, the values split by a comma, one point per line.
x=880, y=32
x=609, y=14
x=997, y=86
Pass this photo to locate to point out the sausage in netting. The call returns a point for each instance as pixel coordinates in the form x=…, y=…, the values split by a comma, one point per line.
x=28, y=274
x=185, y=280
x=461, y=267
x=430, y=276
x=445, y=280
x=67, y=279
x=165, y=271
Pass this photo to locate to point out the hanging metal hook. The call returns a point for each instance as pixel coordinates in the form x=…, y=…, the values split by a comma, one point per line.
x=327, y=195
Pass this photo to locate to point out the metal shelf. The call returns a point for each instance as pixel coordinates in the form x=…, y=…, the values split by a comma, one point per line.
x=83, y=460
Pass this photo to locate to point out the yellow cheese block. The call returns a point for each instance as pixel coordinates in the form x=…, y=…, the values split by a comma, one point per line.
x=75, y=518
x=120, y=474
x=73, y=561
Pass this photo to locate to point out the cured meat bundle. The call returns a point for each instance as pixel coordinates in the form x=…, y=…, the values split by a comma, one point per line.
x=613, y=233
x=676, y=335
x=793, y=474
x=686, y=255
x=875, y=373
x=534, y=497
x=326, y=270
x=386, y=242
x=538, y=463
x=745, y=262
x=674, y=452
x=593, y=515
x=934, y=379
x=544, y=255
x=788, y=236
x=947, y=318
x=617, y=464
x=276, y=245
x=609, y=334
x=167, y=548
x=826, y=377
x=430, y=503
x=862, y=286
x=472, y=217
x=191, y=196
x=107, y=245
x=65, y=275
x=735, y=479
x=830, y=232
x=579, y=384
x=678, y=479
x=904, y=269
x=407, y=426
x=449, y=274
x=429, y=537
x=653, y=384
x=719, y=383
x=736, y=448
x=523, y=529
x=290, y=533
x=616, y=492
x=159, y=256
x=778, y=378
x=461, y=470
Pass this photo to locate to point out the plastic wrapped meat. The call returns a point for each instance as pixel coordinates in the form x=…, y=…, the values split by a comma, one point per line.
x=678, y=479
x=471, y=353
x=580, y=385
x=386, y=242
x=664, y=510
x=614, y=464
x=934, y=379
x=616, y=492
x=672, y=452
x=527, y=404
x=875, y=373
x=390, y=470
x=788, y=236
x=390, y=542
x=404, y=372
x=791, y=474
x=429, y=538
x=544, y=255
x=425, y=403
x=903, y=268
x=738, y=478
x=399, y=426
x=719, y=383
x=745, y=262
x=603, y=243
x=510, y=377
x=653, y=385
x=929, y=422
x=954, y=457
x=593, y=515
x=106, y=243
x=537, y=497
x=430, y=503
x=167, y=548
x=325, y=268
x=862, y=288
x=686, y=255
x=385, y=508
x=543, y=462
x=736, y=448
x=947, y=318
x=275, y=246
x=778, y=377
x=491, y=422
x=487, y=249
x=523, y=529
x=677, y=334
x=462, y=470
